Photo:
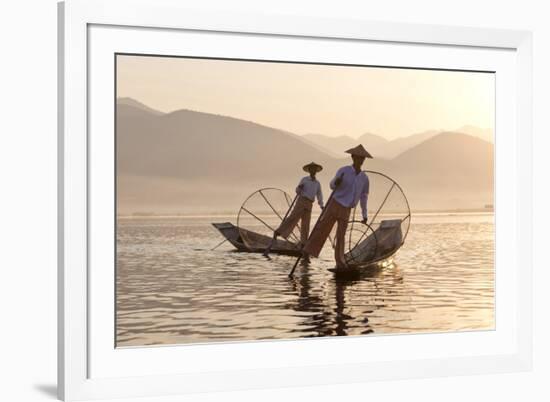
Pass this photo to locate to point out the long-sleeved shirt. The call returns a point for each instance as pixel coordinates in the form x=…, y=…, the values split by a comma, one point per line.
x=311, y=188
x=353, y=188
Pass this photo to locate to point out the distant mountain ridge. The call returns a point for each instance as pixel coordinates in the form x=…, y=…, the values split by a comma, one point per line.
x=380, y=147
x=331, y=145
x=461, y=161
x=194, y=161
x=138, y=105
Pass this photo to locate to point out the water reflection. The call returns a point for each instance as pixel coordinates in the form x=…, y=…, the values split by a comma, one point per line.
x=329, y=316
x=172, y=289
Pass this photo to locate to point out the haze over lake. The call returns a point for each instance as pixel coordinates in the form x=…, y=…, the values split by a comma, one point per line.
x=195, y=137
x=194, y=162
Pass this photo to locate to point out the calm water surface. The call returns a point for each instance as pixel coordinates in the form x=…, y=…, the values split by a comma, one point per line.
x=172, y=289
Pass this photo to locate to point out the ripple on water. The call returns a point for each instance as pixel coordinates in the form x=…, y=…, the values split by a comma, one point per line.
x=171, y=289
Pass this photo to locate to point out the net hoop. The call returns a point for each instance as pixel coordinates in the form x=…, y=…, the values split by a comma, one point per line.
x=388, y=223
x=260, y=215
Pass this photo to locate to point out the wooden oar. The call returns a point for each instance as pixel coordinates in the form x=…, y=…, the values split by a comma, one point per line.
x=291, y=274
x=290, y=208
x=277, y=213
x=218, y=245
x=268, y=248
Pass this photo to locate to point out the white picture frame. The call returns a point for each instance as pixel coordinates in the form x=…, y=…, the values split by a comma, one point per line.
x=306, y=363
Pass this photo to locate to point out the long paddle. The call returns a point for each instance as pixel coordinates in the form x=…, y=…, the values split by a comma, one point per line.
x=268, y=248
x=212, y=249
x=290, y=208
x=287, y=211
x=291, y=274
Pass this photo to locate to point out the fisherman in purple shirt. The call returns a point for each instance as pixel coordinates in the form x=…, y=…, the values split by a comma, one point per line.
x=308, y=189
x=350, y=186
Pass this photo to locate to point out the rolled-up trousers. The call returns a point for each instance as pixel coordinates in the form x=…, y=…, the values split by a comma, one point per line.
x=334, y=213
x=300, y=211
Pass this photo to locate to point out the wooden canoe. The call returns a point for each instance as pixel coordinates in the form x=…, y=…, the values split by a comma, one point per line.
x=256, y=242
x=374, y=252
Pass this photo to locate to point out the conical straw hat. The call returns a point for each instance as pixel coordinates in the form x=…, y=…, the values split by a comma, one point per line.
x=313, y=165
x=359, y=150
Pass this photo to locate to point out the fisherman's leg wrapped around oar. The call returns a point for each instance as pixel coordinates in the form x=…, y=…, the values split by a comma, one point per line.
x=335, y=213
x=301, y=211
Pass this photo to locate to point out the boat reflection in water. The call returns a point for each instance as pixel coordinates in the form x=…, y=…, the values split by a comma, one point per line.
x=172, y=289
x=332, y=317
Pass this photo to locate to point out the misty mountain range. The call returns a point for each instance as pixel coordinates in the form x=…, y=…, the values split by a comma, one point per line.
x=188, y=162
x=383, y=148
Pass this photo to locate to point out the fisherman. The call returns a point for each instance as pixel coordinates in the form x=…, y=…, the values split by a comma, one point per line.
x=350, y=186
x=308, y=189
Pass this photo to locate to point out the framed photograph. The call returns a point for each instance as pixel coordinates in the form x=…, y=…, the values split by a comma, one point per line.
x=255, y=201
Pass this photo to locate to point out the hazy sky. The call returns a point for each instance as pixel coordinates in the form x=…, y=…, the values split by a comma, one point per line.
x=330, y=100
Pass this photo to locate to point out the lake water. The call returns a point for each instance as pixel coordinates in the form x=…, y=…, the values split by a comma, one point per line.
x=171, y=289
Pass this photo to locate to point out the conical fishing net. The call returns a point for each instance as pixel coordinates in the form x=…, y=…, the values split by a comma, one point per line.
x=261, y=214
x=387, y=226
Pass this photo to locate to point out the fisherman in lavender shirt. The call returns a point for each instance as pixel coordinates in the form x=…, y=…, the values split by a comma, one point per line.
x=350, y=186
x=308, y=189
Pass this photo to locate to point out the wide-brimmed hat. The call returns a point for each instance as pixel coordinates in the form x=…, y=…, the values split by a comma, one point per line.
x=313, y=166
x=359, y=150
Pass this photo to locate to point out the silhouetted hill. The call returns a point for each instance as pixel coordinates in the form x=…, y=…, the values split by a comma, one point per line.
x=375, y=144
x=449, y=151
x=189, y=144
x=332, y=145
x=483, y=133
x=449, y=168
x=188, y=161
x=402, y=144
x=379, y=147
x=336, y=146
x=138, y=105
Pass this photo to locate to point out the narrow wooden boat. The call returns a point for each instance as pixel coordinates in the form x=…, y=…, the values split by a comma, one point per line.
x=373, y=252
x=257, y=243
